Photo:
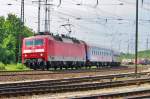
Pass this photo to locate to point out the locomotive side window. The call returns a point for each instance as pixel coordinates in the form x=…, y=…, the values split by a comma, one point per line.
x=38, y=42
x=29, y=42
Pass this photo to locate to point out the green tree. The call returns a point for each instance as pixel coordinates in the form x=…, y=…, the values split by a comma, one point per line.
x=2, y=29
x=11, y=35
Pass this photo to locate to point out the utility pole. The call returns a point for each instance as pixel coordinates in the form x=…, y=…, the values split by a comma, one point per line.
x=49, y=19
x=47, y=14
x=119, y=46
x=97, y=2
x=147, y=43
x=39, y=14
x=22, y=12
x=46, y=17
x=48, y=6
x=128, y=46
x=21, y=30
x=136, y=37
x=39, y=17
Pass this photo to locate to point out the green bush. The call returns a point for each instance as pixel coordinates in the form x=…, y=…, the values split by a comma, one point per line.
x=15, y=67
x=21, y=67
x=2, y=66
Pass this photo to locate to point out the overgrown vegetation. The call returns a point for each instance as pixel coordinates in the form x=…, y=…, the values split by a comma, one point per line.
x=10, y=37
x=15, y=67
x=12, y=67
x=144, y=54
x=141, y=54
x=2, y=66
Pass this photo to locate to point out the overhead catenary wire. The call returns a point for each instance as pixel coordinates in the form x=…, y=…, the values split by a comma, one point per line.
x=105, y=17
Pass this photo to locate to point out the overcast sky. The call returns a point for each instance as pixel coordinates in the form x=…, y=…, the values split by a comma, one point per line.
x=111, y=23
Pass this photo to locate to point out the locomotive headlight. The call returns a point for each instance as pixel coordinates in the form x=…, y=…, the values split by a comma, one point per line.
x=41, y=54
x=25, y=55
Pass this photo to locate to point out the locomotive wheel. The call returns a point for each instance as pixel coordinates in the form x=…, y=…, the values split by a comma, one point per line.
x=42, y=67
x=89, y=66
x=86, y=67
x=72, y=66
x=55, y=68
x=66, y=67
x=61, y=67
x=47, y=67
x=34, y=66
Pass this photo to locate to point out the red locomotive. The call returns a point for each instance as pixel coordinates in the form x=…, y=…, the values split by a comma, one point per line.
x=49, y=51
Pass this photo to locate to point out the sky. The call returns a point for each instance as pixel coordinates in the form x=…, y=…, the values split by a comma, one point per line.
x=111, y=23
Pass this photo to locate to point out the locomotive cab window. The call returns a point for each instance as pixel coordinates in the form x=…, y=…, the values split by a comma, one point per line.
x=34, y=42
x=29, y=42
x=38, y=42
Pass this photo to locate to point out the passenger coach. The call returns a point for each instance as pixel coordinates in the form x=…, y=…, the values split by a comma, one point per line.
x=101, y=56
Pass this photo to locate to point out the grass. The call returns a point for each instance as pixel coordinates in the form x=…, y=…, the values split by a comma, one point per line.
x=141, y=54
x=13, y=67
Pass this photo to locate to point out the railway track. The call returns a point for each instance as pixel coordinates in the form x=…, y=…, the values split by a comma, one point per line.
x=40, y=72
x=74, y=84
x=136, y=94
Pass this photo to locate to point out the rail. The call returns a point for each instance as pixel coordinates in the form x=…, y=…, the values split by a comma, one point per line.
x=66, y=85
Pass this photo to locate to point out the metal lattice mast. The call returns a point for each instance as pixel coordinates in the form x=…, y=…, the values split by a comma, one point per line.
x=39, y=17
x=22, y=12
x=46, y=18
x=21, y=30
x=49, y=19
